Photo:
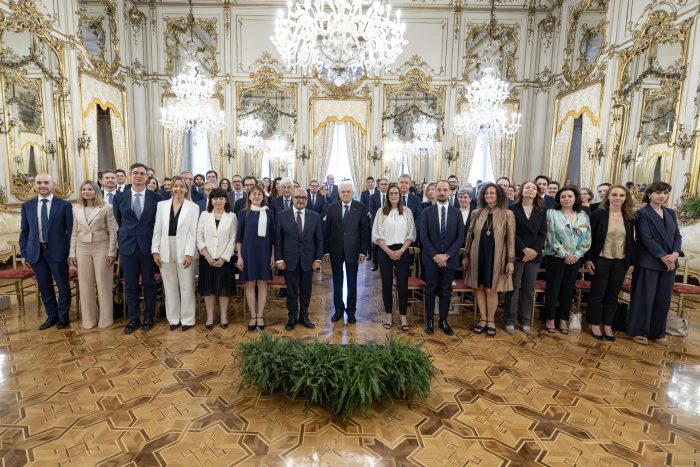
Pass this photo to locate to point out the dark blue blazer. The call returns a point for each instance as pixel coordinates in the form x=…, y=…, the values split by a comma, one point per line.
x=333, y=194
x=277, y=204
x=430, y=235
x=656, y=237
x=550, y=201
x=239, y=205
x=365, y=196
x=347, y=240
x=291, y=248
x=320, y=206
x=202, y=203
x=416, y=207
x=529, y=232
x=195, y=195
x=375, y=202
x=60, y=230
x=135, y=233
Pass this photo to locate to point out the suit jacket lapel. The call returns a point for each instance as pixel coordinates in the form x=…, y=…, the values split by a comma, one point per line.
x=659, y=225
x=52, y=213
x=93, y=215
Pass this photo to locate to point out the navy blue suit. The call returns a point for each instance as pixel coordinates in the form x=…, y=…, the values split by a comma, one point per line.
x=202, y=203
x=652, y=283
x=375, y=203
x=195, y=195
x=298, y=253
x=365, y=196
x=49, y=260
x=277, y=204
x=134, y=240
x=320, y=206
x=333, y=194
x=439, y=280
x=416, y=207
x=239, y=205
x=550, y=201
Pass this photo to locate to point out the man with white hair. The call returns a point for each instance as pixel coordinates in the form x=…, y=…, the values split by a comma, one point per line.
x=44, y=240
x=284, y=200
x=346, y=241
x=332, y=189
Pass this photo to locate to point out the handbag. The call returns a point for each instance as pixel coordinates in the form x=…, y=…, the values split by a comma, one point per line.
x=575, y=321
x=677, y=326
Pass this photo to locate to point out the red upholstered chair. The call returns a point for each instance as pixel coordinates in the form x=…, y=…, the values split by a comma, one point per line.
x=683, y=290
x=19, y=281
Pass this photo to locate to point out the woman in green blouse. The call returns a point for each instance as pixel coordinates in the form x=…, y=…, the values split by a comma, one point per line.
x=568, y=239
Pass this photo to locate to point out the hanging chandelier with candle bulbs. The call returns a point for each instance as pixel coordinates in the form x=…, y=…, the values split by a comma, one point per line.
x=424, y=141
x=250, y=129
x=341, y=40
x=486, y=97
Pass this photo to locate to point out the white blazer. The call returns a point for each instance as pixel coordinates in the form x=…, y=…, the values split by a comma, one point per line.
x=186, y=231
x=218, y=242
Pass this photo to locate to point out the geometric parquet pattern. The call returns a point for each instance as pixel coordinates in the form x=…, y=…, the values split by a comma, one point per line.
x=100, y=397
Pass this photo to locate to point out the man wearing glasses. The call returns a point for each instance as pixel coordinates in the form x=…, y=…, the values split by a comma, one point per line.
x=135, y=212
x=317, y=202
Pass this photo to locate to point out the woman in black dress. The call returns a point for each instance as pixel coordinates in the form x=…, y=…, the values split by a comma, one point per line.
x=216, y=233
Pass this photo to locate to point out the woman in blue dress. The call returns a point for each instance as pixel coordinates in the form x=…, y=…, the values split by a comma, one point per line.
x=255, y=239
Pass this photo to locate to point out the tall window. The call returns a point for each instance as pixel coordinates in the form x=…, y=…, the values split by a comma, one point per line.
x=196, y=154
x=339, y=164
x=481, y=165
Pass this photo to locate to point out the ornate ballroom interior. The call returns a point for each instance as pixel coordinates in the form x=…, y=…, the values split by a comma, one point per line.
x=599, y=91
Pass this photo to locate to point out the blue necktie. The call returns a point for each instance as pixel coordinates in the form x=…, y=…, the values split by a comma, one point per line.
x=442, y=228
x=109, y=197
x=44, y=220
x=345, y=215
x=286, y=203
x=137, y=206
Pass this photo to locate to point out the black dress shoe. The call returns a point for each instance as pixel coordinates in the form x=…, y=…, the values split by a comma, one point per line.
x=290, y=325
x=351, y=318
x=306, y=323
x=147, y=324
x=131, y=326
x=48, y=323
x=337, y=316
x=174, y=326
x=445, y=327
x=185, y=327
x=62, y=324
x=429, y=326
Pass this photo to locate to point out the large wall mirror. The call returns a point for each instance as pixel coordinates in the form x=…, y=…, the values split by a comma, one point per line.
x=651, y=75
x=585, y=42
x=413, y=102
x=98, y=33
x=271, y=106
x=481, y=38
x=34, y=95
x=190, y=34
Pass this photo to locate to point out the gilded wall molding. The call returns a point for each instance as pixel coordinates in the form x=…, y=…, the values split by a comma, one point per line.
x=178, y=28
x=580, y=75
x=505, y=35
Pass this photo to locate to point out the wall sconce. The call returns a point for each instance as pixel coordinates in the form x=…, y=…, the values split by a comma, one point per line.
x=684, y=141
x=629, y=157
x=303, y=155
x=375, y=155
x=84, y=142
x=596, y=152
x=50, y=149
x=451, y=155
x=228, y=154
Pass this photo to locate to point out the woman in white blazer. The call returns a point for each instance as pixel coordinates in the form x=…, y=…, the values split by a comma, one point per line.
x=216, y=234
x=174, y=248
x=93, y=250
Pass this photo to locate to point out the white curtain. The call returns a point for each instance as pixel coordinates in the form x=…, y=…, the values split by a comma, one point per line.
x=214, y=152
x=356, y=144
x=465, y=146
x=118, y=140
x=175, y=143
x=588, y=137
x=500, y=156
x=92, y=154
x=321, y=157
x=562, y=144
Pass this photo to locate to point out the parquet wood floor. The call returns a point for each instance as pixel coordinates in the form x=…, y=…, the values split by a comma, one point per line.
x=77, y=397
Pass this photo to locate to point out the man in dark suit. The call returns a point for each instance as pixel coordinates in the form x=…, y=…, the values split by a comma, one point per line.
x=371, y=189
x=195, y=195
x=412, y=202
x=602, y=190
x=135, y=212
x=332, y=189
x=248, y=183
x=298, y=250
x=441, y=237
x=542, y=182
x=237, y=191
x=376, y=202
x=454, y=188
x=346, y=242
x=204, y=202
x=108, y=181
x=504, y=183
x=44, y=241
x=120, y=175
x=284, y=200
x=165, y=189
x=317, y=202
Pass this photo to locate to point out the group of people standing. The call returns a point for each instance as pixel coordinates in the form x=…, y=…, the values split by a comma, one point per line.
x=501, y=244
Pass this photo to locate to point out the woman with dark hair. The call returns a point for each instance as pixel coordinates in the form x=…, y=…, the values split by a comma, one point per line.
x=266, y=185
x=568, y=239
x=255, y=246
x=216, y=234
x=656, y=259
x=610, y=256
x=489, y=253
x=530, y=233
x=393, y=231
x=225, y=185
x=275, y=188
x=152, y=184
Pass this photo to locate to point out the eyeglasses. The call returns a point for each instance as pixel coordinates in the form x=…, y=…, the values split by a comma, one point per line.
x=299, y=198
x=139, y=173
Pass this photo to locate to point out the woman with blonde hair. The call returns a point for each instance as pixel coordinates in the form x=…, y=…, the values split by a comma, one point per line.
x=93, y=250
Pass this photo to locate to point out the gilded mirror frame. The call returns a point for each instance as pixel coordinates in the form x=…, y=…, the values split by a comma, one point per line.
x=175, y=28
x=658, y=29
x=580, y=74
x=103, y=68
x=268, y=81
x=416, y=82
x=25, y=17
x=503, y=35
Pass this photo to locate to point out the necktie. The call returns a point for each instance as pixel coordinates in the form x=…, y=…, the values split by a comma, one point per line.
x=382, y=199
x=313, y=201
x=443, y=221
x=44, y=220
x=109, y=197
x=300, y=226
x=405, y=200
x=286, y=203
x=345, y=214
x=119, y=189
x=137, y=206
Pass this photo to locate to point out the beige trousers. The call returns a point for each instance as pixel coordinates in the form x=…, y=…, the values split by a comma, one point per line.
x=178, y=287
x=93, y=273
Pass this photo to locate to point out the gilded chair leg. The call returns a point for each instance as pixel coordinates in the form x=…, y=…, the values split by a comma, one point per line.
x=19, y=290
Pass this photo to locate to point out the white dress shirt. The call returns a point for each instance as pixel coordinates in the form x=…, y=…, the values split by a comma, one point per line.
x=48, y=213
x=143, y=198
x=106, y=193
x=447, y=209
x=465, y=215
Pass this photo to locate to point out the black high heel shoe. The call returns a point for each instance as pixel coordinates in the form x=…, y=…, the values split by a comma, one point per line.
x=260, y=326
x=251, y=327
x=491, y=332
x=479, y=329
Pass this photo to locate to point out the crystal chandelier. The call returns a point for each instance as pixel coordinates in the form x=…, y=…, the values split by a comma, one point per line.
x=340, y=39
x=280, y=153
x=424, y=140
x=394, y=149
x=486, y=96
x=249, y=138
x=193, y=108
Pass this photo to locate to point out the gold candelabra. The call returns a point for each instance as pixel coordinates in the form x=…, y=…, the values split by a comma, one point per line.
x=228, y=154
x=451, y=155
x=375, y=155
x=629, y=157
x=684, y=141
x=304, y=155
x=597, y=152
x=84, y=141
